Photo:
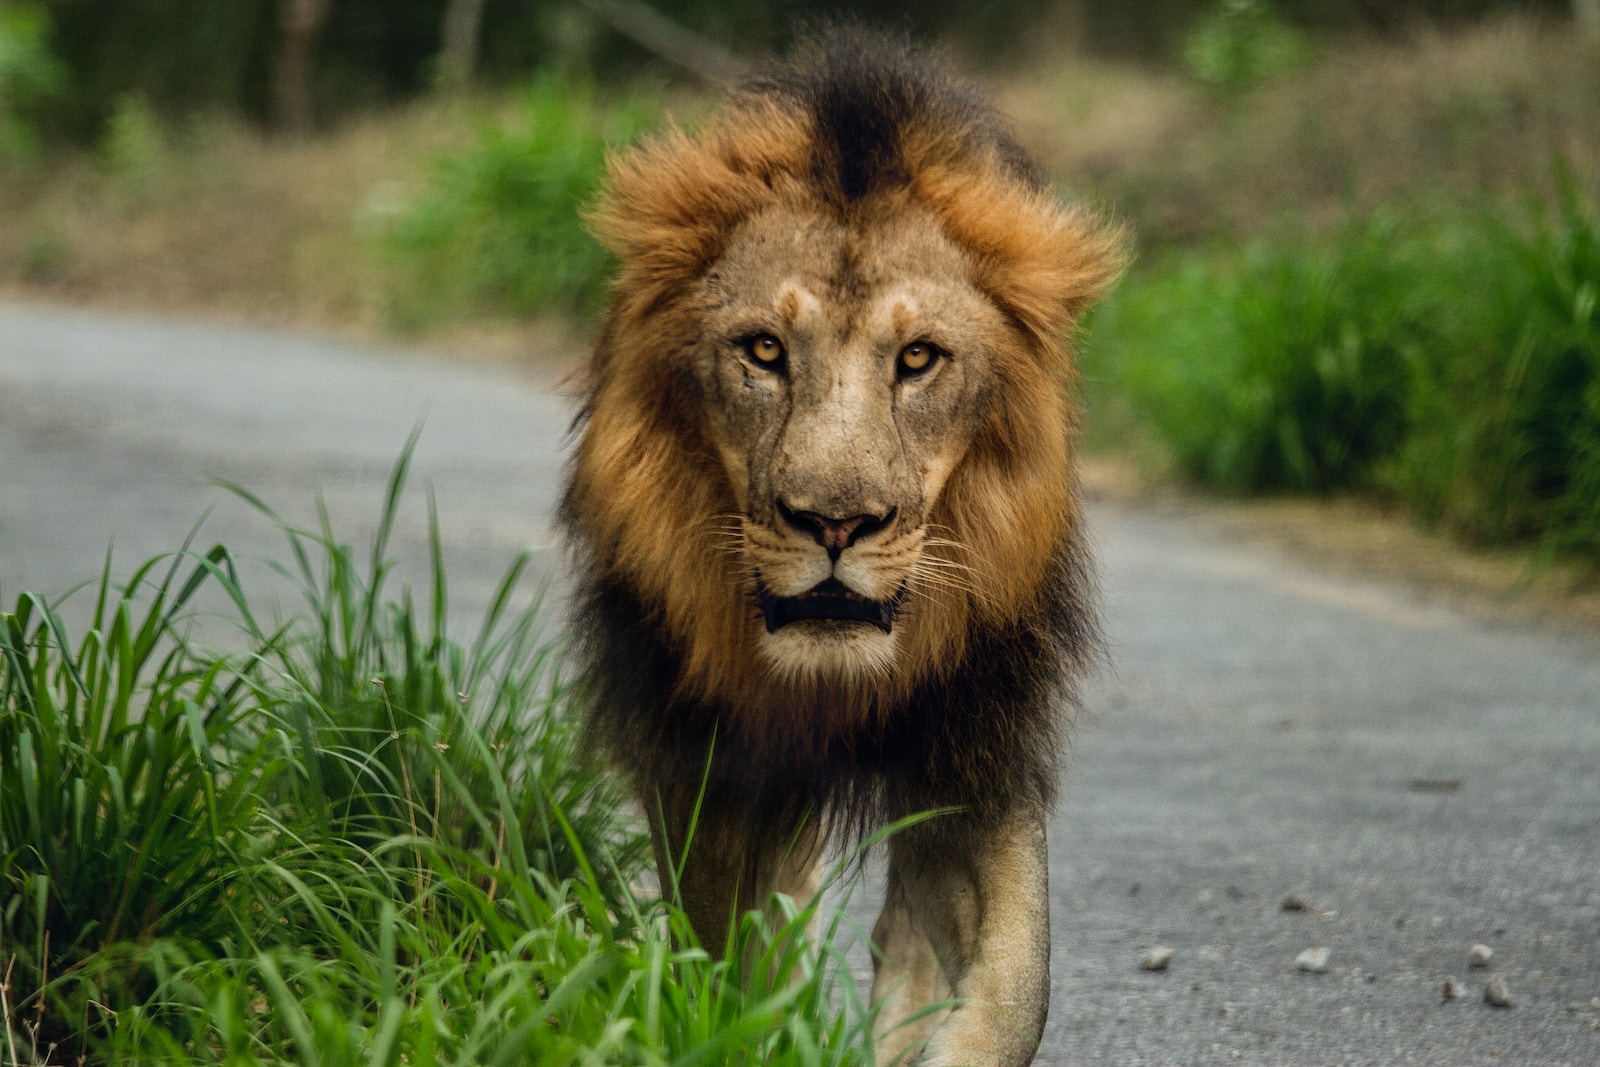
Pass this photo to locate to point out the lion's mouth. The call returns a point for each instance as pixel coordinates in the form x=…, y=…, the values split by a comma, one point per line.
x=830, y=600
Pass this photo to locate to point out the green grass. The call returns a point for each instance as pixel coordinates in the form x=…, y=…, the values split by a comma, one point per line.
x=356, y=841
x=1280, y=367
x=496, y=228
x=1504, y=442
x=1450, y=360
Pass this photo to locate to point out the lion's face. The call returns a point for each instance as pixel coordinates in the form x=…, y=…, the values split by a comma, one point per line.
x=827, y=427
x=842, y=373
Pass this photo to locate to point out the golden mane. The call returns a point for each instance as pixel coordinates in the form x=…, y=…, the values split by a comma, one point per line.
x=831, y=571
x=649, y=494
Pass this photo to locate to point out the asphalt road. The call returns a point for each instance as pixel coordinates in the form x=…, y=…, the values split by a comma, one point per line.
x=1423, y=779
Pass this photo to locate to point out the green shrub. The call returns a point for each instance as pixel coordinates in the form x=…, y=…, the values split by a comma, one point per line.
x=133, y=150
x=1283, y=367
x=497, y=228
x=1452, y=361
x=1240, y=44
x=1505, y=443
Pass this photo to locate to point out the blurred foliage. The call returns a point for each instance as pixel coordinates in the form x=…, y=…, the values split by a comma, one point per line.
x=1241, y=44
x=1505, y=405
x=1452, y=361
x=197, y=55
x=497, y=227
x=1281, y=366
x=133, y=149
x=30, y=75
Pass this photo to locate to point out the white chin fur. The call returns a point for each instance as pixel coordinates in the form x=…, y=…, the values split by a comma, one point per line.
x=812, y=650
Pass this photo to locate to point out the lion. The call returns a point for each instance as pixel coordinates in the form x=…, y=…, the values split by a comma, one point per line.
x=831, y=566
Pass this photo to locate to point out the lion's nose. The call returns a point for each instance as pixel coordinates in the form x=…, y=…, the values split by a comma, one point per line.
x=833, y=534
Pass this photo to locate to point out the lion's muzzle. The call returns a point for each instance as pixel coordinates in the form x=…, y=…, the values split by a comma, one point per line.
x=830, y=600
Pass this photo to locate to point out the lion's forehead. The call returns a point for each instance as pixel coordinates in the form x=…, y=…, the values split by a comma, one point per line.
x=817, y=271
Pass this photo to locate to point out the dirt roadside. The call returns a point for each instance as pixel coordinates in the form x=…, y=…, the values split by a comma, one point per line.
x=1360, y=536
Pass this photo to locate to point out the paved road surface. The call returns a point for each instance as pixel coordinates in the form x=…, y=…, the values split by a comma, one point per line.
x=1423, y=779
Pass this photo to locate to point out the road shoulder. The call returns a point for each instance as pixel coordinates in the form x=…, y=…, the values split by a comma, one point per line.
x=1361, y=537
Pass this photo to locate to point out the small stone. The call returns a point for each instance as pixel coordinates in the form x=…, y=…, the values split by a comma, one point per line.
x=1594, y=1002
x=1295, y=902
x=1434, y=785
x=1447, y=988
x=1480, y=956
x=1157, y=959
x=1496, y=993
x=1314, y=960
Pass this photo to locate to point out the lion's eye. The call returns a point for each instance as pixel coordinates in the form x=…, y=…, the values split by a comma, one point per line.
x=765, y=350
x=915, y=358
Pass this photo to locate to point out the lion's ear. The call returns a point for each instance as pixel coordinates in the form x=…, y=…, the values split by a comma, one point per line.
x=661, y=204
x=1070, y=258
x=1042, y=260
x=668, y=204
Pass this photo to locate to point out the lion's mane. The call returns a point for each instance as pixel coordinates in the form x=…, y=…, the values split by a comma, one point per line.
x=974, y=713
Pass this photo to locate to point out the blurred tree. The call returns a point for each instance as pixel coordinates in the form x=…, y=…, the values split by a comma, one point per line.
x=287, y=61
x=300, y=24
x=1072, y=23
x=459, y=33
x=1587, y=14
x=649, y=29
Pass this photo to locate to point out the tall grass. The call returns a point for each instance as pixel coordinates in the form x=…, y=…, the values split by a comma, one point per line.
x=1505, y=405
x=1451, y=360
x=357, y=841
x=1282, y=367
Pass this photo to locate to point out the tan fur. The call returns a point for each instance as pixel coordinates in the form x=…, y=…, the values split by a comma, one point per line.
x=668, y=211
x=695, y=460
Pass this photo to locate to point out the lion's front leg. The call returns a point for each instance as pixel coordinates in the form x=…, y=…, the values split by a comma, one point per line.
x=906, y=978
x=980, y=899
x=719, y=863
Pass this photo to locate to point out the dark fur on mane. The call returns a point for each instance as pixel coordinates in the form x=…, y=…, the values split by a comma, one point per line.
x=865, y=92
x=982, y=735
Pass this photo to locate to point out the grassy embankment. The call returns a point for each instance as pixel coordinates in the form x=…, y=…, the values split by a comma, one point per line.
x=1383, y=277
x=1371, y=279
x=356, y=841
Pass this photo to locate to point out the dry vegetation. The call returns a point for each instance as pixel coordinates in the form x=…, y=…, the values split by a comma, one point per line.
x=1438, y=118
x=215, y=218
